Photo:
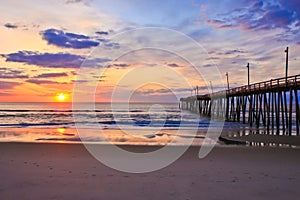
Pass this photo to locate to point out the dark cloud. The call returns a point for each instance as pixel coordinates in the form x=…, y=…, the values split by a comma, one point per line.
x=121, y=65
x=8, y=85
x=220, y=24
x=51, y=75
x=292, y=5
x=13, y=76
x=173, y=65
x=261, y=15
x=275, y=18
x=9, y=25
x=102, y=32
x=79, y=81
x=209, y=65
x=228, y=52
x=7, y=73
x=99, y=76
x=58, y=60
x=154, y=91
x=118, y=65
x=102, y=40
x=41, y=82
x=85, y=2
x=74, y=1
x=215, y=22
x=225, y=26
x=166, y=91
x=235, y=51
x=68, y=40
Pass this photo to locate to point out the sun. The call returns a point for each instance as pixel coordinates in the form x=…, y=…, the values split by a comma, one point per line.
x=61, y=97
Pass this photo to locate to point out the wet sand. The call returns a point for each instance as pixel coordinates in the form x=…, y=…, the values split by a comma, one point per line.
x=68, y=171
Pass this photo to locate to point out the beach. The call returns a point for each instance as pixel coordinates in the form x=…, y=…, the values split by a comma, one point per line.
x=217, y=83
x=68, y=171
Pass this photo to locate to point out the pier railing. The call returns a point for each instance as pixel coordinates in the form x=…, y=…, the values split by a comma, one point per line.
x=273, y=84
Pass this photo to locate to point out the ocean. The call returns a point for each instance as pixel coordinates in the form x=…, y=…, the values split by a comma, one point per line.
x=134, y=123
x=107, y=116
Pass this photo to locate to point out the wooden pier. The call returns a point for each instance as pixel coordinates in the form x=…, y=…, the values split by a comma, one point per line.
x=272, y=105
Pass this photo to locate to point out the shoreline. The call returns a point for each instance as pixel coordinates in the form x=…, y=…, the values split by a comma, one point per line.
x=141, y=137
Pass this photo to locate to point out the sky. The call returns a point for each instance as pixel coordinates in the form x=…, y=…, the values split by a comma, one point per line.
x=158, y=51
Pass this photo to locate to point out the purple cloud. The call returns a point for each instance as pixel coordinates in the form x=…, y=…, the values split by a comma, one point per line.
x=68, y=40
x=173, y=65
x=41, y=82
x=51, y=75
x=167, y=91
x=58, y=60
x=85, y=2
x=74, y=1
x=6, y=73
x=235, y=51
x=9, y=25
x=209, y=65
x=261, y=15
x=121, y=65
x=102, y=33
x=112, y=45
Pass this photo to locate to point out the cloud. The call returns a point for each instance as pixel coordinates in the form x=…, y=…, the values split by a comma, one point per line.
x=112, y=45
x=209, y=65
x=293, y=5
x=121, y=65
x=68, y=40
x=6, y=73
x=8, y=85
x=85, y=2
x=102, y=40
x=79, y=81
x=73, y=1
x=12, y=76
x=41, y=82
x=214, y=22
x=173, y=65
x=102, y=33
x=118, y=65
x=95, y=62
x=51, y=75
x=148, y=92
x=235, y=51
x=261, y=15
x=9, y=25
x=58, y=60
x=228, y=52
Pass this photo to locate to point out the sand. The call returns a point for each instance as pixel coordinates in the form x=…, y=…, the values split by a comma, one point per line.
x=68, y=171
